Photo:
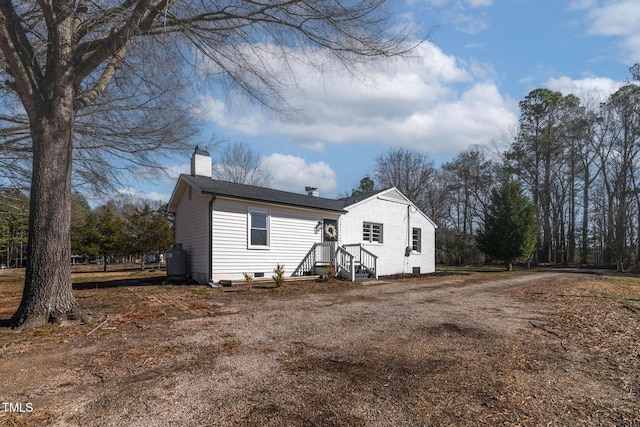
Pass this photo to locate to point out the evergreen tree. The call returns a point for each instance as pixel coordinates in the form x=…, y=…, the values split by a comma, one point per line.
x=104, y=234
x=366, y=186
x=80, y=212
x=148, y=231
x=510, y=226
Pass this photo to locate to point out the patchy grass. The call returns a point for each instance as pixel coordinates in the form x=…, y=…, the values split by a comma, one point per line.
x=602, y=315
x=556, y=350
x=476, y=269
x=632, y=281
x=623, y=290
x=201, y=291
x=98, y=276
x=12, y=282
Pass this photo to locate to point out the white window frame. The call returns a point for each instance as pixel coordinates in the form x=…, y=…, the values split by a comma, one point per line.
x=368, y=228
x=416, y=242
x=260, y=211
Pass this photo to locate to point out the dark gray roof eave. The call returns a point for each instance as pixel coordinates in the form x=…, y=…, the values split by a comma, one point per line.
x=268, y=195
x=275, y=202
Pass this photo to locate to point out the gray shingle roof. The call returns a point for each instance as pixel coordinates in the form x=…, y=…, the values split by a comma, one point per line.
x=262, y=194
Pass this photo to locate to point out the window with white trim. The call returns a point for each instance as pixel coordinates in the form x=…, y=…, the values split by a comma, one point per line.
x=416, y=239
x=258, y=221
x=372, y=232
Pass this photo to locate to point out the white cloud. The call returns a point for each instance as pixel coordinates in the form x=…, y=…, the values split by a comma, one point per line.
x=131, y=195
x=139, y=195
x=461, y=15
x=160, y=175
x=479, y=3
x=453, y=126
x=632, y=46
x=618, y=18
x=292, y=173
x=162, y=197
x=242, y=117
x=470, y=24
x=437, y=2
x=430, y=100
x=173, y=172
x=582, y=4
x=595, y=89
x=472, y=3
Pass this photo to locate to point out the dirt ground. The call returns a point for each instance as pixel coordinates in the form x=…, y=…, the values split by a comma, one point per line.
x=521, y=349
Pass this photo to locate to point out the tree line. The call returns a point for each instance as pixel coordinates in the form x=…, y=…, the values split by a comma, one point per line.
x=14, y=226
x=577, y=160
x=117, y=230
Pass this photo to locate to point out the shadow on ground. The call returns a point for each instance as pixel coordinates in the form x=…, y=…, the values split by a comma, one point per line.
x=147, y=281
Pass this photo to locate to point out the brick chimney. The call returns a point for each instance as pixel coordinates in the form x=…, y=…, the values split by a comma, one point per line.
x=201, y=162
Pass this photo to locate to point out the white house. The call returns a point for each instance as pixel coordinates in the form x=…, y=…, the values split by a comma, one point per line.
x=229, y=229
x=391, y=227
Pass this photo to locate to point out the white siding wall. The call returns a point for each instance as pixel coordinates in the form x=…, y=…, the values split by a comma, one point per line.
x=192, y=227
x=292, y=234
x=397, y=225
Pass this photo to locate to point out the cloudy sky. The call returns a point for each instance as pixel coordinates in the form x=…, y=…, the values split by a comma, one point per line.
x=460, y=88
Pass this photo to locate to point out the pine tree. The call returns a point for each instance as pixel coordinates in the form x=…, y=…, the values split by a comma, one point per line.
x=148, y=231
x=510, y=226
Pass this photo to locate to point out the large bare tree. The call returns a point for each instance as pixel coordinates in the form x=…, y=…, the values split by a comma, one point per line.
x=238, y=162
x=72, y=66
x=410, y=171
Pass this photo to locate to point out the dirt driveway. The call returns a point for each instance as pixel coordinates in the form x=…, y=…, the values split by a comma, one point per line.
x=523, y=349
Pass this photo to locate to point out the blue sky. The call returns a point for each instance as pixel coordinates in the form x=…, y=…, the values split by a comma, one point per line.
x=460, y=88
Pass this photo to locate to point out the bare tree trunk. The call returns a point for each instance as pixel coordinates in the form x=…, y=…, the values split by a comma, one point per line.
x=571, y=237
x=584, y=252
x=48, y=293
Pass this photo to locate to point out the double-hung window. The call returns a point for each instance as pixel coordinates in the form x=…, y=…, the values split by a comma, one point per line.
x=372, y=232
x=416, y=239
x=258, y=221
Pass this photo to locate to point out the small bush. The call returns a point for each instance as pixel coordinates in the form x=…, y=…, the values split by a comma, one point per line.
x=278, y=276
x=248, y=278
x=331, y=272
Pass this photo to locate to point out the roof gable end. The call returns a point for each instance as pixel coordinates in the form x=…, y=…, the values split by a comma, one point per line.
x=391, y=194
